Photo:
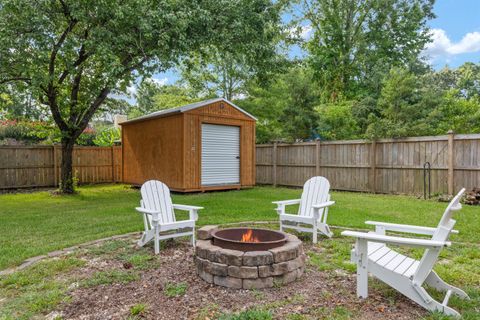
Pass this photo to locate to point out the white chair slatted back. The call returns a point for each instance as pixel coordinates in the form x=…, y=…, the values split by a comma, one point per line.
x=156, y=196
x=315, y=191
x=445, y=226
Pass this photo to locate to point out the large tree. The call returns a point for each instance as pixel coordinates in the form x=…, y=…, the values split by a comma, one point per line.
x=227, y=74
x=217, y=74
x=73, y=54
x=286, y=107
x=152, y=96
x=356, y=42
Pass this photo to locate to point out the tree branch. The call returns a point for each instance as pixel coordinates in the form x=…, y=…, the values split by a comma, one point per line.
x=12, y=79
x=85, y=118
x=82, y=56
x=51, y=89
x=74, y=96
x=56, y=48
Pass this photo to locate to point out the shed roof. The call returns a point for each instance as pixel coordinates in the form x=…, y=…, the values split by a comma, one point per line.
x=188, y=107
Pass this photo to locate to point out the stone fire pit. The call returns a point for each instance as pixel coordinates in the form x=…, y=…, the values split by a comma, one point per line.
x=248, y=269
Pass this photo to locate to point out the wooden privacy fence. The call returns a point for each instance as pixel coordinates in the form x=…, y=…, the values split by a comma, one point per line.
x=383, y=166
x=39, y=166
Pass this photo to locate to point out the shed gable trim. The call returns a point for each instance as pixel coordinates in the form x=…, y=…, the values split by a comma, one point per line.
x=186, y=108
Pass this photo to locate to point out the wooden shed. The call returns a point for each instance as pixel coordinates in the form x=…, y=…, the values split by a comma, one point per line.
x=208, y=145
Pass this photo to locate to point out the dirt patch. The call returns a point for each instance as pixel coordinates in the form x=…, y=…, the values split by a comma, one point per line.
x=318, y=294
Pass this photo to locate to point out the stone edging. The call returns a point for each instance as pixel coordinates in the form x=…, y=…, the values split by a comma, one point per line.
x=62, y=252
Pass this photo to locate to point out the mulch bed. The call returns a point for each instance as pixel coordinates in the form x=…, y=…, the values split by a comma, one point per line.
x=315, y=295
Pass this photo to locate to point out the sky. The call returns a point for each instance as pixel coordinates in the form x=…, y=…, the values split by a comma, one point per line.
x=455, y=34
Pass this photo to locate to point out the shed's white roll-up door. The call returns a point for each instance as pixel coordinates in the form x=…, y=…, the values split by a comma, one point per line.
x=220, y=155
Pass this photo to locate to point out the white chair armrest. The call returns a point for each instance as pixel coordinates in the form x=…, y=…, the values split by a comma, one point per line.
x=405, y=228
x=191, y=209
x=281, y=205
x=287, y=202
x=186, y=207
x=153, y=213
x=323, y=205
x=411, y=242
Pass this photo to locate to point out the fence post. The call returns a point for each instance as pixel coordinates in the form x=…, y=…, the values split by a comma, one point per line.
x=450, y=180
x=55, y=166
x=274, y=166
x=373, y=169
x=113, y=163
x=317, y=157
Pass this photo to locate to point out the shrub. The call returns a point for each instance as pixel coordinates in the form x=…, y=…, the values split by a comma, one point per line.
x=29, y=132
x=40, y=132
x=107, y=137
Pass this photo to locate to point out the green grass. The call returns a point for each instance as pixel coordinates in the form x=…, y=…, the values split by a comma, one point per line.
x=337, y=313
x=109, y=277
x=34, y=224
x=248, y=315
x=172, y=290
x=138, y=309
x=37, y=289
x=37, y=223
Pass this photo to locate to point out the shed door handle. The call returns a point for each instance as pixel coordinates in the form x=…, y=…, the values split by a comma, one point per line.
x=237, y=157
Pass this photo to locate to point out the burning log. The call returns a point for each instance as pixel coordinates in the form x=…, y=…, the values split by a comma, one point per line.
x=249, y=237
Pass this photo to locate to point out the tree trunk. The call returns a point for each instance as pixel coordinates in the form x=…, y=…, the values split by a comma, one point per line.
x=67, y=184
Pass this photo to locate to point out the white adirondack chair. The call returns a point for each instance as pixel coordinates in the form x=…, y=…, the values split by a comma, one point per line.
x=313, y=210
x=159, y=215
x=371, y=254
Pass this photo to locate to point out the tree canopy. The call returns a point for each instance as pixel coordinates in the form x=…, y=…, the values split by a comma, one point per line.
x=72, y=54
x=354, y=42
x=361, y=72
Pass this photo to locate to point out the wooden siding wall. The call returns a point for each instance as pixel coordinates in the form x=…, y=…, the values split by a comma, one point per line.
x=383, y=166
x=39, y=166
x=217, y=113
x=153, y=149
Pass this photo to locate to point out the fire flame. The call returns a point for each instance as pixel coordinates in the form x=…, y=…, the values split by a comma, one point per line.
x=248, y=237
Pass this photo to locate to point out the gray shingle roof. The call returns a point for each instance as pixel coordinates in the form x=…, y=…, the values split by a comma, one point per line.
x=164, y=113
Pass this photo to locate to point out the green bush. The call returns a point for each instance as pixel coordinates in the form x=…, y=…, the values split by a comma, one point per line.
x=107, y=137
x=30, y=132
x=39, y=132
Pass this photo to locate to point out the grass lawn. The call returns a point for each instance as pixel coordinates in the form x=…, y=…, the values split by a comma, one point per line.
x=36, y=223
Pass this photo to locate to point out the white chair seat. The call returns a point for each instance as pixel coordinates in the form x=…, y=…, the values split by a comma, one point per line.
x=296, y=218
x=177, y=225
x=392, y=260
